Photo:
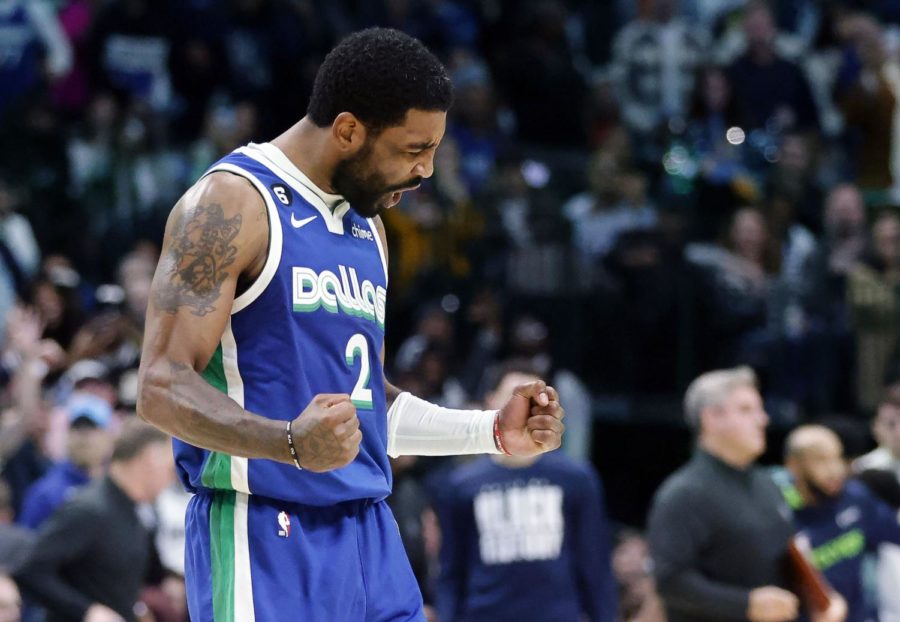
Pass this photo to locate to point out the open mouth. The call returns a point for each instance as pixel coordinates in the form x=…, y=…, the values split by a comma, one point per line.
x=395, y=197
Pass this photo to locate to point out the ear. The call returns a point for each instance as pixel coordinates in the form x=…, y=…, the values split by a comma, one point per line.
x=707, y=418
x=349, y=133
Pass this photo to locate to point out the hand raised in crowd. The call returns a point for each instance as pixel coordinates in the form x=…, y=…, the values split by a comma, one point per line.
x=772, y=604
x=326, y=434
x=24, y=328
x=531, y=422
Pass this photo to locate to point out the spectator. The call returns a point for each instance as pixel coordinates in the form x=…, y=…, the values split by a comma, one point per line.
x=656, y=57
x=868, y=100
x=873, y=304
x=841, y=521
x=130, y=52
x=845, y=231
x=530, y=344
x=89, y=445
x=541, y=62
x=631, y=563
x=33, y=45
x=724, y=563
x=615, y=203
x=19, y=253
x=538, y=522
x=723, y=175
x=474, y=126
x=885, y=459
x=97, y=576
x=734, y=284
x=886, y=430
x=773, y=94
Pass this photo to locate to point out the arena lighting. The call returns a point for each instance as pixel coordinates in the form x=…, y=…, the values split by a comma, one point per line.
x=735, y=135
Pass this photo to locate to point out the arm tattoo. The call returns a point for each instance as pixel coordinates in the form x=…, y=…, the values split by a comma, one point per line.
x=202, y=248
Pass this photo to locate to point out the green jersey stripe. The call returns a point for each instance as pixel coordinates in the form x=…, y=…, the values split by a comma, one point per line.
x=221, y=540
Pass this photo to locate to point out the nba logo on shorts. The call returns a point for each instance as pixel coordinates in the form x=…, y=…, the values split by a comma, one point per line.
x=284, y=521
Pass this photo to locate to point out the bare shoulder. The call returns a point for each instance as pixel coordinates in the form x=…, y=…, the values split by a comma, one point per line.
x=216, y=233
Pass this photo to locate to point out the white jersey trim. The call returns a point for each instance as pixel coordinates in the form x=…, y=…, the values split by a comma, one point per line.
x=274, y=159
x=239, y=466
x=381, y=252
x=243, y=581
x=275, y=239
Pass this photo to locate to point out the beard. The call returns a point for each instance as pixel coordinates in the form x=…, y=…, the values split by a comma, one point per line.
x=363, y=187
x=820, y=493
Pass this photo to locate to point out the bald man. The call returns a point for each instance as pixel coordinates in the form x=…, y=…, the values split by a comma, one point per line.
x=842, y=520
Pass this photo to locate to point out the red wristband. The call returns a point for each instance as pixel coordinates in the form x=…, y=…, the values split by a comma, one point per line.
x=498, y=437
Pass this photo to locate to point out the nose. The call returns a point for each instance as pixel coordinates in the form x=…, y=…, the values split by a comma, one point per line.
x=763, y=417
x=424, y=168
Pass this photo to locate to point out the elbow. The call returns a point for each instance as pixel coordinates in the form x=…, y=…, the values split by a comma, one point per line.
x=154, y=384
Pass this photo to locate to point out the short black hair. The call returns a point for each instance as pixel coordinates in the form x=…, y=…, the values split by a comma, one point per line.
x=378, y=75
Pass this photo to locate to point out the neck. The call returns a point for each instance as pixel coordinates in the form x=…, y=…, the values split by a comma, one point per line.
x=727, y=455
x=123, y=477
x=306, y=145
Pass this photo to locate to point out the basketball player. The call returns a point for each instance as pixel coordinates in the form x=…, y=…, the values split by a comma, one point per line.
x=264, y=346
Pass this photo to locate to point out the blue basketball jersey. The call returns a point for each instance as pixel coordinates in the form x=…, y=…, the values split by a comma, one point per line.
x=312, y=322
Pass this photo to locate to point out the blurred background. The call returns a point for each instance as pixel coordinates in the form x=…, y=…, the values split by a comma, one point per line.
x=629, y=193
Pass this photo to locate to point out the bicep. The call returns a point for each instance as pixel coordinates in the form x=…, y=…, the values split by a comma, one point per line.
x=213, y=235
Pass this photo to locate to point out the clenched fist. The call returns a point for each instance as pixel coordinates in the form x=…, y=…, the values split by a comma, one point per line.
x=326, y=434
x=531, y=421
x=772, y=604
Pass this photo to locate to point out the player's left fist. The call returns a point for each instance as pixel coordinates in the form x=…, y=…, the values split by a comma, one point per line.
x=531, y=421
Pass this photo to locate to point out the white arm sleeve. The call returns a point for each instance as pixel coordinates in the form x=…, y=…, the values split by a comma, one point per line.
x=420, y=428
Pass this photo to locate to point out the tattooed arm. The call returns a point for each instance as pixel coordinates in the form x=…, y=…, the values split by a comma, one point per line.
x=216, y=236
x=215, y=242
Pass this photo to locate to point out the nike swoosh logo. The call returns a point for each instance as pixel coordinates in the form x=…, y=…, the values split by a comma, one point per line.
x=300, y=223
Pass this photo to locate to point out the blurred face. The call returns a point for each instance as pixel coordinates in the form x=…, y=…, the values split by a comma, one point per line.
x=396, y=160
x=749, y=234
x=10, y=600
x=821, y=467
x=630, y=560
x=49, y=303
x=845, y=212
x=887, y=428
x=738, y=426
x=89, y=446
x=886, y=238
x=759, y=28
x=795, y=154
x=715, y=90
x=157, y=468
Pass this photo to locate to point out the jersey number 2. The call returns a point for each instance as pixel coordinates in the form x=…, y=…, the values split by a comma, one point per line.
x=362, y=394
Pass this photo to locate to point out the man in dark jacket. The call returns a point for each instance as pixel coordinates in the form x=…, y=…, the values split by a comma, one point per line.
x=719, y=527
x=90, y=557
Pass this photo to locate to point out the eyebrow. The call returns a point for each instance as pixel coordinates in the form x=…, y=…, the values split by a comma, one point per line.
x=422, y=146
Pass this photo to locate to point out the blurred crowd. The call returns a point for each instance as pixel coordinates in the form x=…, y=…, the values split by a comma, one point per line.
x=629, y=193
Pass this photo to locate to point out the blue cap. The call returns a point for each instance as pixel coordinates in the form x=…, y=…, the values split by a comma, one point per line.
x=91, y=407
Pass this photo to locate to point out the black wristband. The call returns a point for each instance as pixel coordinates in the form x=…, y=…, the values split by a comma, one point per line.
x=291, y=447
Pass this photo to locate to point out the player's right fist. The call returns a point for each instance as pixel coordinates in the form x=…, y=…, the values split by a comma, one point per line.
x=326, y=434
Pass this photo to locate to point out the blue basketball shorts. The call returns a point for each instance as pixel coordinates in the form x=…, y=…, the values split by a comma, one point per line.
x=250, y=558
